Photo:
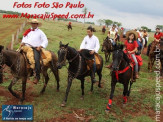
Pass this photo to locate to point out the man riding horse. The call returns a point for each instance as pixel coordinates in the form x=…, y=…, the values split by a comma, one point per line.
x=91, y=43
x=157, y=38
x=113, y=34
x=36, y=39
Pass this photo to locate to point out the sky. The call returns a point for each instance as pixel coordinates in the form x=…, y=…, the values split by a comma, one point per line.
x=131, y=13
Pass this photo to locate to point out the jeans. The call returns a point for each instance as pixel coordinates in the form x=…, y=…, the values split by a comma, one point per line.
x=136, y=62
x=37, y=63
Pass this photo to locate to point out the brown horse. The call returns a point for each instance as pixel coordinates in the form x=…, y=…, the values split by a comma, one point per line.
x=77, y=68
x=107, y=48
x=18, y=65
x=154, y=50
x=69, y=27
x=1, y=74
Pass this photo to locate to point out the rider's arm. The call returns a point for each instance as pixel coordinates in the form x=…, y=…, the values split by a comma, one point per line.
x=82, y=46
x=44, y=40
x=97, y=45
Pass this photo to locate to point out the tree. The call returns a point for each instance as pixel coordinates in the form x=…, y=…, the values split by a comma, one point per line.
x=160, y=26
x=119, y=24
x=100, y=21
x=85, y=11
x=108, y=22
x=144, y=27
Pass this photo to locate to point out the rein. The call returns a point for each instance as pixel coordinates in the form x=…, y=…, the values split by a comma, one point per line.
x=122, y=71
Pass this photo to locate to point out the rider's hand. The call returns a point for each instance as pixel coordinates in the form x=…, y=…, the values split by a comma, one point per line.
x=92, y=52
x=38, y=48
x=22, y=44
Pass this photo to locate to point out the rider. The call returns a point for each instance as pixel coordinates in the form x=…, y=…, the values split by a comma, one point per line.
x=157, y=38
x=113, y=34
x=35, y=38
x=131, y=46
x=91, y=43
x=145, y=36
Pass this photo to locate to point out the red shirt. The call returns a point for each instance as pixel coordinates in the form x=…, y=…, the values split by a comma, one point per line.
x=158, y=36
x=131, y=46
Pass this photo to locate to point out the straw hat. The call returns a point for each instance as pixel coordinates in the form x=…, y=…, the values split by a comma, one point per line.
x=133, y=32
x=33, y=21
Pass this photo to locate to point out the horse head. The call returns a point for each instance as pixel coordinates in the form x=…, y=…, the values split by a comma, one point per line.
x=118, y=56
x=62, y=55
x=107, y=45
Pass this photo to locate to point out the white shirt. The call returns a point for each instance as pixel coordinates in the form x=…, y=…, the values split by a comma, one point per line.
x=36, y=38
x=90, y=43
x=115, y=29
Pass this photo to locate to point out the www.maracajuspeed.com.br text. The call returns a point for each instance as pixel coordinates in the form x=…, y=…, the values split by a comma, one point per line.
x=48, y=16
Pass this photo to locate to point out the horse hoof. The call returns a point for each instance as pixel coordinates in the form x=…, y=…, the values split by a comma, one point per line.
x=107, y=111
x=124, y=105
x=90, y=92
x=63, y=104
x=82, y=97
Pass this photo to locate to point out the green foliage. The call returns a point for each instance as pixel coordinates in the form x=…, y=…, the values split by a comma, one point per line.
x=108, y=22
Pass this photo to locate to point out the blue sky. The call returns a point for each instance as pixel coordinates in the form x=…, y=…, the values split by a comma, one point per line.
x=131, y=13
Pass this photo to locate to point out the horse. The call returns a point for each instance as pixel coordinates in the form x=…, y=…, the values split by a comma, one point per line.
x=18, y=65
x=77, y=68
x=107, y=48
x=152, y=54
x=122, y=73
x=69, y=27
x=103, y=30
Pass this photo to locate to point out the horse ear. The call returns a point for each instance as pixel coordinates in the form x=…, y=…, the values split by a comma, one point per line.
x=1, y=48
x=121, y=47
x=66, y=45
x=60, y=43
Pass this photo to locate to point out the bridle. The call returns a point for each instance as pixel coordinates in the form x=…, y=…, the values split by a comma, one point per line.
x=119, y=61
x=71, y=60
x=1, y=59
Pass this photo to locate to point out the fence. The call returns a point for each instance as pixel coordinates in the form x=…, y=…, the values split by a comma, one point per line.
x=15, y=37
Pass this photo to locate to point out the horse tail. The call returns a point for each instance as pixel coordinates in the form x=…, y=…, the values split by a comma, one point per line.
x=54, y=66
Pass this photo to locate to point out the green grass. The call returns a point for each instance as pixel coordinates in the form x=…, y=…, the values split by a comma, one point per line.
x=47, y=106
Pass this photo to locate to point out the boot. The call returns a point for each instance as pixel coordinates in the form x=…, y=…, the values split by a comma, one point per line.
x=136, y=75
x=35, y=81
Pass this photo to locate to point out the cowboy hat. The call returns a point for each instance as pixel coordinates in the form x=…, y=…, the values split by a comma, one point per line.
x=34, y=21
x=133, y=32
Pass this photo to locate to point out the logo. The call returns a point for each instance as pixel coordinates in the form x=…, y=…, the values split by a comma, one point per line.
x=17, y=112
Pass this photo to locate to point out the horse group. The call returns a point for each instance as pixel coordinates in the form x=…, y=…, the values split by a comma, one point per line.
x=121, y=72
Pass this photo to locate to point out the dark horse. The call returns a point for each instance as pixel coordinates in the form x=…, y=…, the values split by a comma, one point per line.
x=18, y=65
x=77, y=68
x=121, y=72
x=69, y=27
x=103, y=30
x=107, y=48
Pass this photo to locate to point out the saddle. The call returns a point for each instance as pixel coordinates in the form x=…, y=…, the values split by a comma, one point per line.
x=28, y=53
x=90, y=59
x=138, y=57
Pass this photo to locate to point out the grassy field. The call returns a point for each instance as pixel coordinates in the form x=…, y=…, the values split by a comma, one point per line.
x=7, y=28
x=140, y=106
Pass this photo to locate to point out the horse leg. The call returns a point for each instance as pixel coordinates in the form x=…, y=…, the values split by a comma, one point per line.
x=10, y=88
x=129, y=91
x=24, y=81
x=111, y=96
x=100, y=76
x=106, y=57
x=109, y=56
x=45, y=74
x=67, y=91
x=125, y=91
x=82, y=88
x=56, y=74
